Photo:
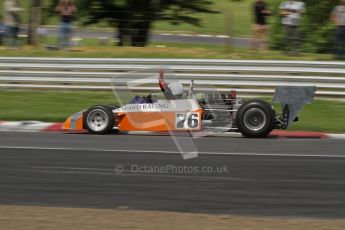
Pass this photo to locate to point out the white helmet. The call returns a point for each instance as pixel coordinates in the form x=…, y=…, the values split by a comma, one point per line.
x=176, y=88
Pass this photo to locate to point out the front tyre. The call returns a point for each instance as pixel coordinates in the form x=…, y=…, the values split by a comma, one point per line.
x=99, y=120
x=255, y=119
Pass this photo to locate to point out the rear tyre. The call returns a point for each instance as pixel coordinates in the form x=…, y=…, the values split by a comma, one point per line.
x=99, y=120
x=255, y=119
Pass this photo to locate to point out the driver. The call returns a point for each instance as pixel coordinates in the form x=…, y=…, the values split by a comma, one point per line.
x=173, y=90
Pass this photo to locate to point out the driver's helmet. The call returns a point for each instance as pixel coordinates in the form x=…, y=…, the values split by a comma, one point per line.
x=176, y=88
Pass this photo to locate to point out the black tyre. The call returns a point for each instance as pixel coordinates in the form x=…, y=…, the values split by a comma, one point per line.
x=99, y=120
x=255, y=119
x=112, y=107
x=115, y=131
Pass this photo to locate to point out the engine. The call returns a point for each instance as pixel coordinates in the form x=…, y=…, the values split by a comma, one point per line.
x=220, y=109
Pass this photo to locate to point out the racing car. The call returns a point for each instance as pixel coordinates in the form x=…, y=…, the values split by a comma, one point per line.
x=181, y=109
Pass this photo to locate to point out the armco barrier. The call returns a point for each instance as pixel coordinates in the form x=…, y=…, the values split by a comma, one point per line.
x=247, y=76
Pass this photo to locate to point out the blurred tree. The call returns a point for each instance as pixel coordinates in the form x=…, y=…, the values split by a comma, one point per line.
x=134, y=18
x=316, y=28
x=34, y=21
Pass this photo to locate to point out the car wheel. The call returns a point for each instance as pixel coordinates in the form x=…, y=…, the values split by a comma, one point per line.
x=255, y=119
x=99, y=120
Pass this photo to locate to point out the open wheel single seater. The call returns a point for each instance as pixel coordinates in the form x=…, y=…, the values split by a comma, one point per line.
x=179, y=108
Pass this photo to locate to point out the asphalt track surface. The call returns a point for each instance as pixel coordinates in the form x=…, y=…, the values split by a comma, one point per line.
x=266, y=177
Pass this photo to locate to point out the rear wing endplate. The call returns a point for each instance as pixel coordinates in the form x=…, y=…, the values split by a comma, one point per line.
x=292, y=100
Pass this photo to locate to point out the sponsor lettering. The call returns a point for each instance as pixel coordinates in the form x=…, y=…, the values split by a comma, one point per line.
x=144, y=107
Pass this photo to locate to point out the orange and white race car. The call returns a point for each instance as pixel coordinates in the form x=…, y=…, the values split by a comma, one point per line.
x=181, y=110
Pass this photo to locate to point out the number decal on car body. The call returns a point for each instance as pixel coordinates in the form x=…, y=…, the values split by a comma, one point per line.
x=187, y=121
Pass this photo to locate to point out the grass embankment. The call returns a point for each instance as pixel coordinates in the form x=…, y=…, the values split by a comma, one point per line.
x=91, y=49
x=57, y=106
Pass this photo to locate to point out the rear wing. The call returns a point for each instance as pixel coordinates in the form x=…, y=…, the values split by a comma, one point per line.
x=292, y=100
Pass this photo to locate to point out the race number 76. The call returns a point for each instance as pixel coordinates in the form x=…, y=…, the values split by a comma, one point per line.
x=187, y=120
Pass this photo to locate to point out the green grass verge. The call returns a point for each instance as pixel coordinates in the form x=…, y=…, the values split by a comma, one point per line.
x=322, y=116
x=48, y=105
x=91, y=49
x=58, y=105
